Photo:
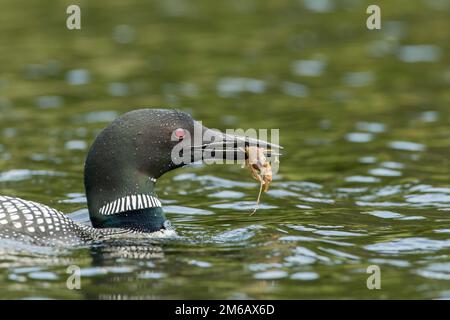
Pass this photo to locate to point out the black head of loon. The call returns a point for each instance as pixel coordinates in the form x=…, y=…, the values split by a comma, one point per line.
x=129, y=155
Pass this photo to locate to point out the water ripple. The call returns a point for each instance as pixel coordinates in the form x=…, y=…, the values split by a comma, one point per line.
x=25, y=174
x=407, y=146
x=437, y=271
x=242, y=206
x=409, y=245
x=237, y=235
x=271, y=275
x=186, y=210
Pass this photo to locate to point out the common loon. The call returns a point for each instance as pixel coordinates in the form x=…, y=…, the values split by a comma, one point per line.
x=120, y=174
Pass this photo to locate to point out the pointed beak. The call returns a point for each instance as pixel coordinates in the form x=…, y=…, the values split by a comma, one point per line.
x=216, y=146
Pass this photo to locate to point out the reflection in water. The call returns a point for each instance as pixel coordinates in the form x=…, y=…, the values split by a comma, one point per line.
x=78, y=77
x=45, y=102
x=419, y=53
x=229, y=87
x=363, y=117
x=358, y=79
x=309, y=68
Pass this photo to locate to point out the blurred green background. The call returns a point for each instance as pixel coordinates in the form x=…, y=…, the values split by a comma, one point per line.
x=363, y=116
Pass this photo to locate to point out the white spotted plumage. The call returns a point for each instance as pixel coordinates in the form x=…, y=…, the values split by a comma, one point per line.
x=33, y=222
x=27, y=220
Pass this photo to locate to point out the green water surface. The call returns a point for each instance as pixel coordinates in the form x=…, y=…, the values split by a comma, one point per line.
x=363, y=117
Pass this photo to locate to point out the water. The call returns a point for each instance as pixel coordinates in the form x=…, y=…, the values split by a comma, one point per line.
x=363, y=116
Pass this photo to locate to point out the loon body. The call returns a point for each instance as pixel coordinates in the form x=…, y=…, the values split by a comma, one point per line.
x=32, y=222
x=121, y=170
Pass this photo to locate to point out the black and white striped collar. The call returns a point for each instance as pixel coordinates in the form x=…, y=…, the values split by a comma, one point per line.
x=130, y=203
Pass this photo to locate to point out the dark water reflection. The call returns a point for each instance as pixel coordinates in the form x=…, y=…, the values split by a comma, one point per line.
x=363, y=116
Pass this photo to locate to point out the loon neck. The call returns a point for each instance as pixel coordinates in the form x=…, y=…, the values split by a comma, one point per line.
x=125, y=201
x=138, y=212
x=141, y=220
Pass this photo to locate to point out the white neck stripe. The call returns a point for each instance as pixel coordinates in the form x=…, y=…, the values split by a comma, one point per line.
x=129, y=203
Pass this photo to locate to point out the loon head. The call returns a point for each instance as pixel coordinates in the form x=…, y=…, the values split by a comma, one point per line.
x=129, y=155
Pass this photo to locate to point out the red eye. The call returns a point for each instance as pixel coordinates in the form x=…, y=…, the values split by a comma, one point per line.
x=180, y=133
